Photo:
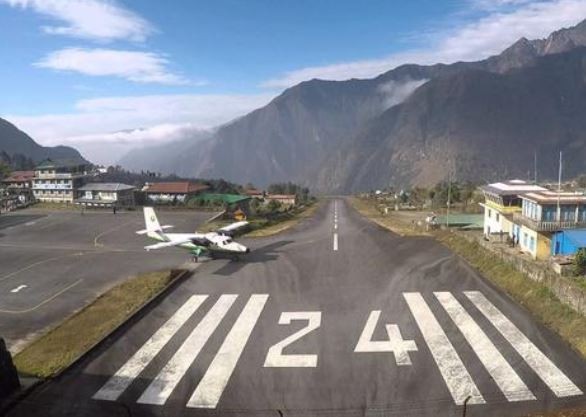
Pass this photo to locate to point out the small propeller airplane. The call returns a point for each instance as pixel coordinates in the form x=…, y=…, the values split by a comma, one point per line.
x=211, y=243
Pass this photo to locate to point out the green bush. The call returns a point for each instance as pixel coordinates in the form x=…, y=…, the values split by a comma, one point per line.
x=580, y=262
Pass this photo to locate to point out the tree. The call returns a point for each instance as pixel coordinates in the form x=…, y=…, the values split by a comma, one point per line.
x=580, y=262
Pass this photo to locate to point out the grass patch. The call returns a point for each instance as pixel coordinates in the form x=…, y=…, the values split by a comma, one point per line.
x=391, y=221
x=61, y=346
x=266, y=227
x=536, y=297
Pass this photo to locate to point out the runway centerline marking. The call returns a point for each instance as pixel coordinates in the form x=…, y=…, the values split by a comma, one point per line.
x=212, y=385
x=510, y=384
x=20, y=287
x=335, y=241
x=122, y=379
x=550, y=374
x=163, y=385
x=105, y=232
x=453, y=371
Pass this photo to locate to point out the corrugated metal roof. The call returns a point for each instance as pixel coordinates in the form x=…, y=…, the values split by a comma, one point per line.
x=106, y=186
x=512, y=187
x=177, y=187
x=17, y=176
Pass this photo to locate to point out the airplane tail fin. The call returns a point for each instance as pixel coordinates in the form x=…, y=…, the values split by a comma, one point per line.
x=153, y=228
x=150, y=220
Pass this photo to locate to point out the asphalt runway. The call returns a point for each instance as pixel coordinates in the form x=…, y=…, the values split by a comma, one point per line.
x=336, y=317
x=54, y=263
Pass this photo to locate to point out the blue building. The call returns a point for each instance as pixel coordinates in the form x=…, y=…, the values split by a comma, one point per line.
x=567, y=242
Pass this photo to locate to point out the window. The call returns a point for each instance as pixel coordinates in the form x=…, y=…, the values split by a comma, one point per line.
x=525, y=239
x=532, y=243
x=498, y=217
x=489, y=213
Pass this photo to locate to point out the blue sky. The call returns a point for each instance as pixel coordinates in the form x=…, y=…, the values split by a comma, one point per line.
x=81, y=71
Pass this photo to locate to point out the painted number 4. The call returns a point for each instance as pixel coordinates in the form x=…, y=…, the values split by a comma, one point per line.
x=395, y=343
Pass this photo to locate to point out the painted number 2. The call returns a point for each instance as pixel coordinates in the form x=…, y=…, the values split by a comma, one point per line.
x=395, y=343
x=275, y=356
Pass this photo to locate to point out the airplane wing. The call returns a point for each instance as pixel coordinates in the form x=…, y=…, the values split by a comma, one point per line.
x=232, y=227
x=167, y=244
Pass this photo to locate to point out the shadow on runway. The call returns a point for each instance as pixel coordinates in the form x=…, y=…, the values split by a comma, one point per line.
x=263, y=254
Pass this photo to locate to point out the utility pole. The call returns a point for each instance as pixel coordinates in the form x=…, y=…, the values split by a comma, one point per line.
x=449, y=197
x=535, y=166
x=559, y=212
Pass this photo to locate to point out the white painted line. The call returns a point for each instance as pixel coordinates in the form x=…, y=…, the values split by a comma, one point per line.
x=335, y=241
x=136, y=364
x=555, y=379
x=161, y=387
x=335, y=226
x=20, y=287
x=513, y=388
x=212, y=385
x=454, y=373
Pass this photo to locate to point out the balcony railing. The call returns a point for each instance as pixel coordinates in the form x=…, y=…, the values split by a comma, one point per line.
x=541, y=226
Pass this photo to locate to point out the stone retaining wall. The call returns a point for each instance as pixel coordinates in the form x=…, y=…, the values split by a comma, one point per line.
x=563, y=287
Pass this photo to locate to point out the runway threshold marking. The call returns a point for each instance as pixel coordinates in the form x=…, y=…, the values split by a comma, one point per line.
x=161, y=387
x=550, y=374
x=499, y=369
x=20, y=287
x=453, y=371
x=116, y=385
x=57, y=294
x=212, y=385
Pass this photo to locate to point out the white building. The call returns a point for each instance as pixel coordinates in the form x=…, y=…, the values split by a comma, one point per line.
x=501, y=201
x=106, y=194
x=59, y=181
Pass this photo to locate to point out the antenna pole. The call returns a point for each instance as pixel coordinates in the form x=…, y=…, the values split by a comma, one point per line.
x=559, y=189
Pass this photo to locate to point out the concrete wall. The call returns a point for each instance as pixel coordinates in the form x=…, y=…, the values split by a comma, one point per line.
x=564, y=288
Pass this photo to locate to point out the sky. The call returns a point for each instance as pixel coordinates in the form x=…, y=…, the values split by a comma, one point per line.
x=109, y=75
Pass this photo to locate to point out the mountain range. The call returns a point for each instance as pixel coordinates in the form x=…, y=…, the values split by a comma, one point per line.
x=18, y=146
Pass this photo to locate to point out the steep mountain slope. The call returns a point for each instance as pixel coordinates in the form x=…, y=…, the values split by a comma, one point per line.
x=331, y=135
x=14, y=141
x=478, y=124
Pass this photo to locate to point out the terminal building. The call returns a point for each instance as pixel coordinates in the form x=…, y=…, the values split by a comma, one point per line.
x=535, y=219
x=59, y=181
x=106, y=195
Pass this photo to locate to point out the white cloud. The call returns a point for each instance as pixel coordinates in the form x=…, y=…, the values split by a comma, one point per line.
x=486, y=36
x=99, y=20
x=135, y=120
x=396, y=92
x=137, y=66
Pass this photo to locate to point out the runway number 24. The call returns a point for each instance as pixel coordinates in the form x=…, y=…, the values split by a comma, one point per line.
x=395, y=342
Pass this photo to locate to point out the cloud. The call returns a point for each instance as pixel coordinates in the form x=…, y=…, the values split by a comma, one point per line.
x=98, y=20
x=396, y=92
x=137, y=66
x=136, y=120
x=507, y=21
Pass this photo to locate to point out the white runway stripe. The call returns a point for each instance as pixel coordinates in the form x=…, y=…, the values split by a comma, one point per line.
x=136, y=364
x=456, y=377
x=335, y=241
x=505, y=377
x=161, y=387
x=212, y=385
x=555, y=379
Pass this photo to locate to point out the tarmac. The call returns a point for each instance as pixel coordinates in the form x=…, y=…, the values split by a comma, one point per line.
x=54, y=263
x=335, y=317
